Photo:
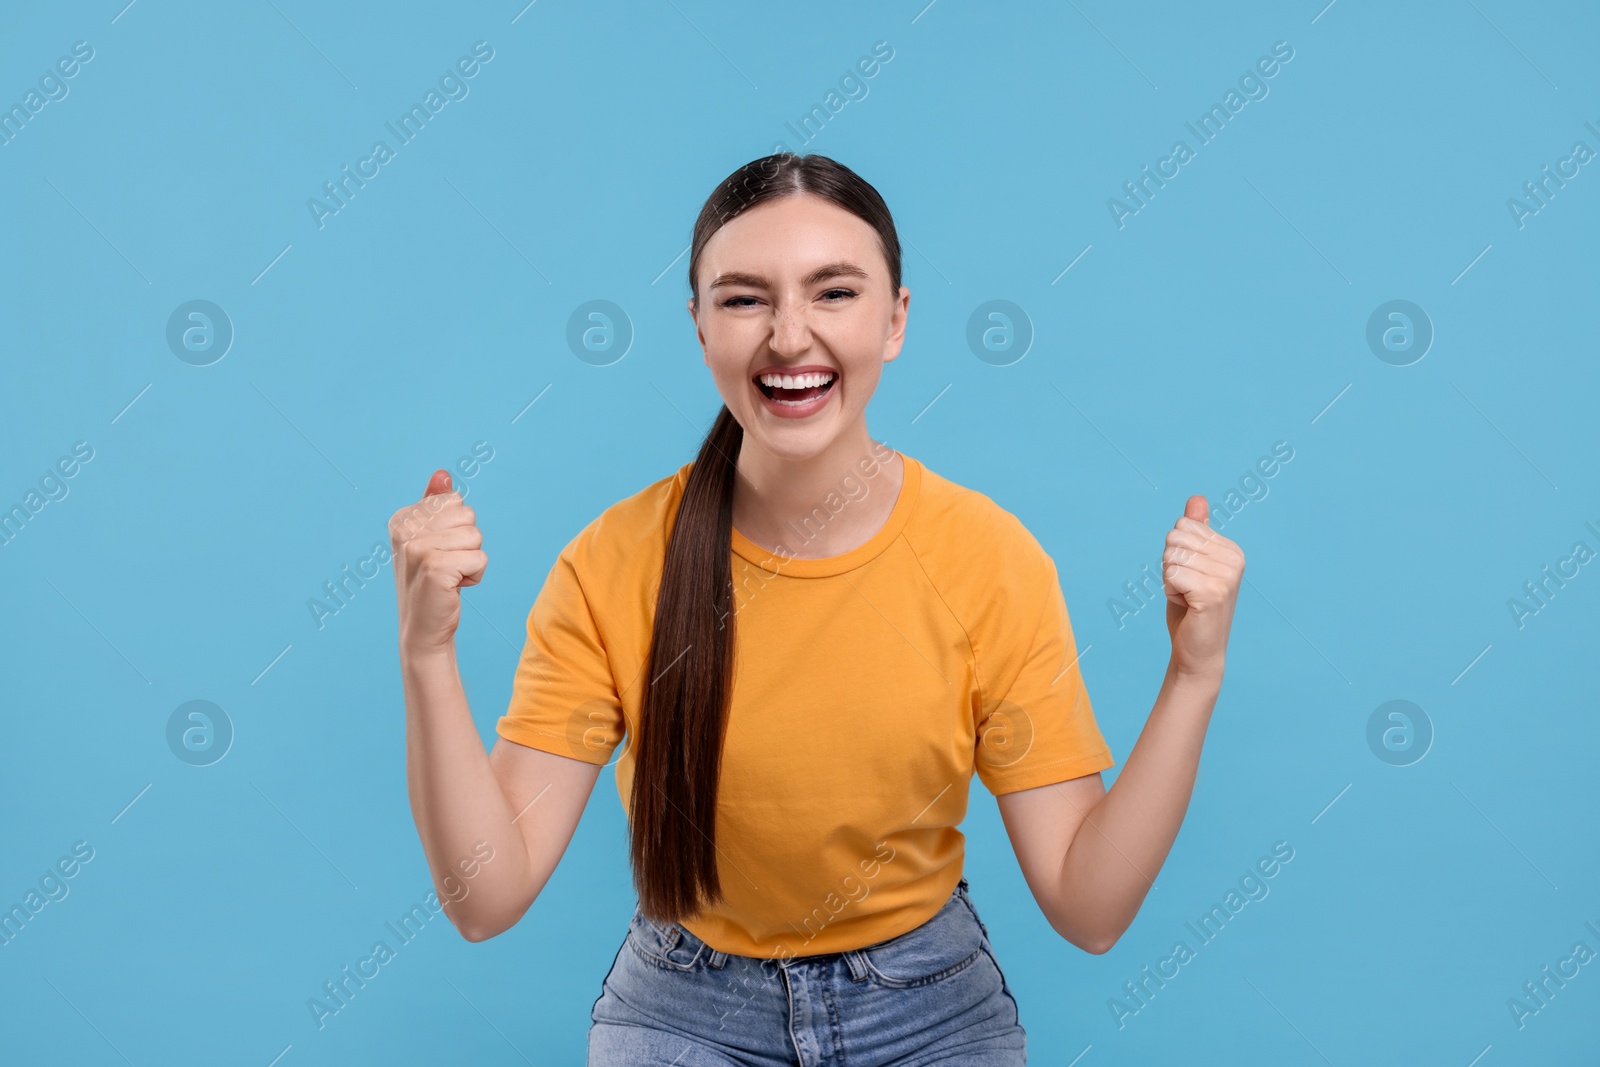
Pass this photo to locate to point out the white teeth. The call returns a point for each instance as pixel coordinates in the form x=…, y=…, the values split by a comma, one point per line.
x=796, y=381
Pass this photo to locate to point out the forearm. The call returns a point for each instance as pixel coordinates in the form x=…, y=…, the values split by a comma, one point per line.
x=457, y=801
x=1115, y=855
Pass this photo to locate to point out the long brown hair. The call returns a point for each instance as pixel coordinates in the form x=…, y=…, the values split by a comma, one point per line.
x=689, y=672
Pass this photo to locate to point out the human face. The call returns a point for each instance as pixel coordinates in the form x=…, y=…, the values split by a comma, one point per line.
x=798, y=285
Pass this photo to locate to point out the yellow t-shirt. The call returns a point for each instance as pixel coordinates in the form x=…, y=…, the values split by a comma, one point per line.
x=868, y=687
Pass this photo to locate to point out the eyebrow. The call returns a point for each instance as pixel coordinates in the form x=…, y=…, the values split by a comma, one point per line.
x=840, y=269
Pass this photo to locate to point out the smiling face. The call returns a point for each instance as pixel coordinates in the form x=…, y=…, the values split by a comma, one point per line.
x=796, y=320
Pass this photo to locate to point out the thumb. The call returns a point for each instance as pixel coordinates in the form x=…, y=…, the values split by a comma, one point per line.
x=1197, y=509
x=439, y=483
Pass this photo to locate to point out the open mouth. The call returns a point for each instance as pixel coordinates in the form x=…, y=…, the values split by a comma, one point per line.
x=796, y=389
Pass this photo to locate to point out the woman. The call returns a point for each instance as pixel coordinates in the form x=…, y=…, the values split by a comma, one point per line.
x=802, y=644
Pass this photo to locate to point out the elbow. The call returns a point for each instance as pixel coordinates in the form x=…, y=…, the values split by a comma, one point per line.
x=1098, y=946
x=477, y=933
x=482, y=928
x=1101, y=941
x=1094, y=942
x=476, y=928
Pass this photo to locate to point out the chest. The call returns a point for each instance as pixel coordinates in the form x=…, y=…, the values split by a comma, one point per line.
x=858, y=684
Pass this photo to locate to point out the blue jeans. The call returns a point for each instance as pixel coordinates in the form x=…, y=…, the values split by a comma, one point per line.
x=932, y=995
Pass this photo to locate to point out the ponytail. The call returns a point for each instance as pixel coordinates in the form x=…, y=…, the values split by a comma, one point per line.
x=689, y=670
x=689, y=676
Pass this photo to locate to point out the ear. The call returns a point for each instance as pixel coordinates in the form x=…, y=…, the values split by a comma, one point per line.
x=699, y=333
x=897, y=325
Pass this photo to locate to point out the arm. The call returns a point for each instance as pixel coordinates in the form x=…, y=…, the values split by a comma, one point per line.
x=519, y=802
x=493, y=825
x=1090, y=884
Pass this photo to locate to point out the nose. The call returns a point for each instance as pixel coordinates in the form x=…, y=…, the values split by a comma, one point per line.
x=791, y=333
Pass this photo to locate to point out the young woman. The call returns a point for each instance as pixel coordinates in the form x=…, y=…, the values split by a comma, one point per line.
x=800, y=647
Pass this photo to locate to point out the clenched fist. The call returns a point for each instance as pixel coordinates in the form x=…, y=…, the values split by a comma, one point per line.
x=1200, y=573
x=438, y=549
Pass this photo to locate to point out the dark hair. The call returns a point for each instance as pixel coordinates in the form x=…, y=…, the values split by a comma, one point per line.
x=689, y=671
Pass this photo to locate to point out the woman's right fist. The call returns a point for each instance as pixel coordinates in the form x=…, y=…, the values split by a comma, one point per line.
x=437, y=550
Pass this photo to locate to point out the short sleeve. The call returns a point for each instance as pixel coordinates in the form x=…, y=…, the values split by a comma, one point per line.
x=1036, y=726
x=564, y=696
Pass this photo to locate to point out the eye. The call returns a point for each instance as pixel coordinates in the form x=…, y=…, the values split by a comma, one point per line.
x=845, y=292
x=732, y=301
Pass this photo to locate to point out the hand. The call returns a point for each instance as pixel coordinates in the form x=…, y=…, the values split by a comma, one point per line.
x=1200, y=573
x=437, y=552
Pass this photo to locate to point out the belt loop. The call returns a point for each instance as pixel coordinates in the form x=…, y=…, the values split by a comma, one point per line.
x=718, y=957
x=858, y=966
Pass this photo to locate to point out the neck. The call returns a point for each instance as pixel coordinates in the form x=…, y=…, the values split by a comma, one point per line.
x=818, y=506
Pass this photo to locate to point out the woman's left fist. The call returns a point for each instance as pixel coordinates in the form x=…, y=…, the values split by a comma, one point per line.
x=1200, y=574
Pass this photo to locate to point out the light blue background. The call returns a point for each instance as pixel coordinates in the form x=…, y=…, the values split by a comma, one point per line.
x=1225, y=316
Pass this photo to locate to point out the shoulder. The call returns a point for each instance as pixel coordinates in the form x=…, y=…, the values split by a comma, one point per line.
x=957, y=522
x=986, y=565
